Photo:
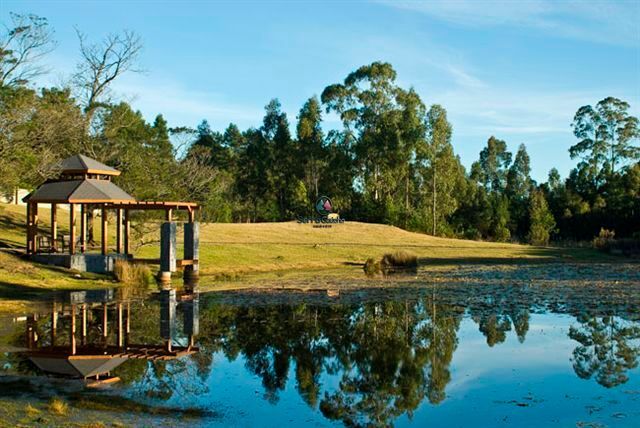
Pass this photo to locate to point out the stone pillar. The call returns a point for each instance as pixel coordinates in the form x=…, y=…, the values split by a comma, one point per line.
x=191, y=309
x=191, y=249
x=167, y=250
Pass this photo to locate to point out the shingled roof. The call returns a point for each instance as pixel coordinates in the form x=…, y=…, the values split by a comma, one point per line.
x=81, y=164
x=86, y=191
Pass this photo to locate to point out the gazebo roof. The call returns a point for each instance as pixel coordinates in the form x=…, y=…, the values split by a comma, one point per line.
x=77, y=365
x=87, y=191
x=81, y=164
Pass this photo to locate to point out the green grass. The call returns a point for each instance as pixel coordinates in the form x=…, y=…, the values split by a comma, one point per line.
x=231, y=250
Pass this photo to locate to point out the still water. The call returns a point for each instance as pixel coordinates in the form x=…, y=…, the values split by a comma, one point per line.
x=405, y=355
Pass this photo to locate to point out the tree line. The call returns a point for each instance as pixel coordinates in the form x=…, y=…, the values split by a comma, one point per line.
x=391, y=161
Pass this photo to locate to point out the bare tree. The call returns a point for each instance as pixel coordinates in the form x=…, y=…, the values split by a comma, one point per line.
x=22, y=47
x=102, y=63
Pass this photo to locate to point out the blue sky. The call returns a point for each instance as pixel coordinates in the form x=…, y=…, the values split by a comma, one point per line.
x=516, y=70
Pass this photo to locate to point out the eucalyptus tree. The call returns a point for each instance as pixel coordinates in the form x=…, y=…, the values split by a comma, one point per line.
x=491, y=169
x=608, y=140
x=387, y=122
x=311, y=143
x=518, y=187
x=440, y=170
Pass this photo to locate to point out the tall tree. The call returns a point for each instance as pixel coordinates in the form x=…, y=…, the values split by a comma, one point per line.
x=542, y=223
x=439, y=167
x=311, y=141
x=491, y=169
x=607, y=135
x=517, y=189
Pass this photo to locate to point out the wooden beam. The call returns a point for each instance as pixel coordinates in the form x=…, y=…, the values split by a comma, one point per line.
x=84, y=325
x=54, y=324
x=73, y=329
x=105, y=326
x=104, y=240
x=127, y=231
x=28, y=226
x=120, y=327
x=72, y=229
x=83, y=228
x=119, y=230
x=34, y=234
x=54, y=226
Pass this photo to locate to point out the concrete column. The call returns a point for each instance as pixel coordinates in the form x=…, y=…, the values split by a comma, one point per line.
x=191, y=249
x=167, y=316
x=168, y=247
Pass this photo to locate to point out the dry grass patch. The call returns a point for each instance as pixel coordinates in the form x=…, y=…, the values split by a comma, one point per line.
x=58, y=407
x=132, y=273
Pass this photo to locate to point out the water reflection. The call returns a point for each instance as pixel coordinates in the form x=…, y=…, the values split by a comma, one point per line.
x=360, y=358
x=89, y=334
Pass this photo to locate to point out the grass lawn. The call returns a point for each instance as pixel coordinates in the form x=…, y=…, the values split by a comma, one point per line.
x=236, y=249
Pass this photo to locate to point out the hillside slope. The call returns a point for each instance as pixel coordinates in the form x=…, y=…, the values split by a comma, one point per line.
x=265, y=247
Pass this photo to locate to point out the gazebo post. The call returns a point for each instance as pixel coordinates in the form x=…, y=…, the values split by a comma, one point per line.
x=29, y=228
x=127, y=231
x=54, y=226
x=83, y=228
x=103, y=240
x=119, y=230
x=73, y=330
x=72, y=229
x=34, y=227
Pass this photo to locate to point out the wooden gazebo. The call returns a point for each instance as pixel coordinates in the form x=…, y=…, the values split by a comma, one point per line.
x=86, y=182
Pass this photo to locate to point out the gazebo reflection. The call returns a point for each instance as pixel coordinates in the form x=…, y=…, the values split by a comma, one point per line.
x=89, y=333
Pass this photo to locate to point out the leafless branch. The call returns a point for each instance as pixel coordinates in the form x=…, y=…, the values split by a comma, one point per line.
x=22, y=47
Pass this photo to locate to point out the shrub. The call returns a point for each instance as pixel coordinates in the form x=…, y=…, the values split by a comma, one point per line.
x=604, y=239
x=401, y=259
x=132, y=273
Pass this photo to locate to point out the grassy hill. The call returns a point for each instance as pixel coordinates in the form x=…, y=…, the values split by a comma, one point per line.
x=232, y=249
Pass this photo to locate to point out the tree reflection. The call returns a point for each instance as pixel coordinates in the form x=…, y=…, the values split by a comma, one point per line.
x=606, y=349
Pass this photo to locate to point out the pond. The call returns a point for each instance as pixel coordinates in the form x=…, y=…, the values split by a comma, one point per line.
x=412, y=353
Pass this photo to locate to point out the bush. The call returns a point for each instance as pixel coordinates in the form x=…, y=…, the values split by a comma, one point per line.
x=391, y=263
x=604, y=239
x=132, y=273
x=399, y=259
